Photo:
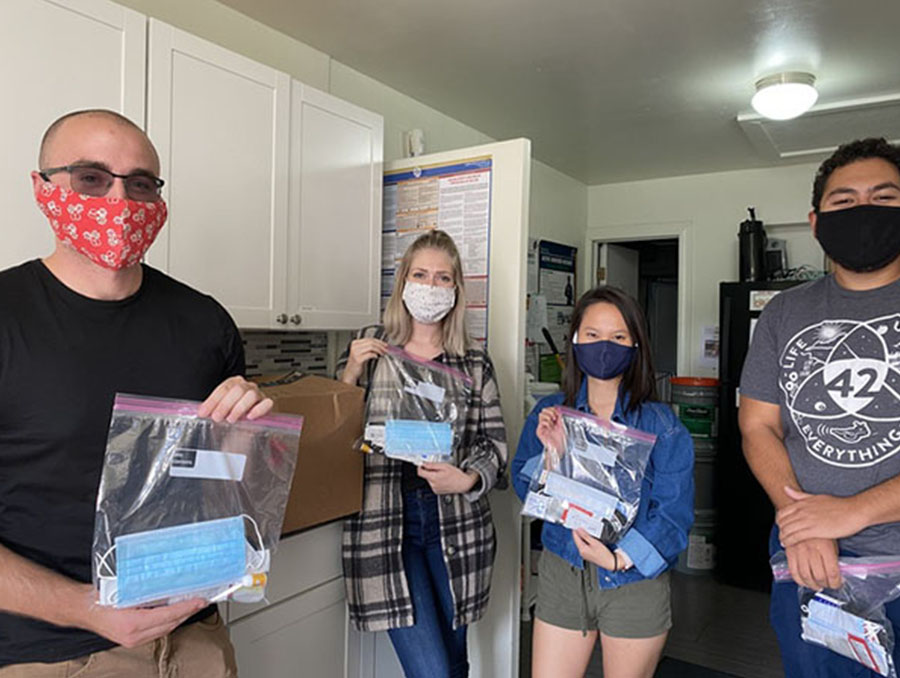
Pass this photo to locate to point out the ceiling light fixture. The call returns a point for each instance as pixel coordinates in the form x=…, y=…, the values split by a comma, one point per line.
x=785, y=95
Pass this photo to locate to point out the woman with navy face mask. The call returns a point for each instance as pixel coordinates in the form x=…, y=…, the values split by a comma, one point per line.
x=588, y=589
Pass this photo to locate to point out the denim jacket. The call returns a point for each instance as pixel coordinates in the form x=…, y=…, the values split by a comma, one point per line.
x=666, y=512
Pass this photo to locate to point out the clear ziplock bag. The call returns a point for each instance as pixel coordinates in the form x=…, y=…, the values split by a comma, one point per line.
x=187, y=506
x=590, y=477
x=850, y=620
x=416, y=409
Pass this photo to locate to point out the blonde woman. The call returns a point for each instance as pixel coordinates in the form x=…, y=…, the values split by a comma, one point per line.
x=418, y=557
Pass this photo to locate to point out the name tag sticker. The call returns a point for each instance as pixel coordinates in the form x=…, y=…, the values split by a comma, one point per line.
x=207, y=465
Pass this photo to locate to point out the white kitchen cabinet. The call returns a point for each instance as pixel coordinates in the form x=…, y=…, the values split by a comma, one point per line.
x=221, y=124
x=334, y=240
x=274, y=198
x=301, y=563
x=301, y=629
x=302, y=637
x=58, y=57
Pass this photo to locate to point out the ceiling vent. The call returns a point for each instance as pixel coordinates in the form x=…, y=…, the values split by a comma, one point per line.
x=823, y=128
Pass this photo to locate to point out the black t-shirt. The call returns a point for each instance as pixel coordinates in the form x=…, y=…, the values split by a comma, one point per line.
x=63, y=357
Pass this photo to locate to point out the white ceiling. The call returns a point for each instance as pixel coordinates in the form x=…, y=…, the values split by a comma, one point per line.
x=608, y=90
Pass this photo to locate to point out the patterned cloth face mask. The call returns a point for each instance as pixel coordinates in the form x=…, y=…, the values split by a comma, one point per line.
x=427, y=303
x=112, y=232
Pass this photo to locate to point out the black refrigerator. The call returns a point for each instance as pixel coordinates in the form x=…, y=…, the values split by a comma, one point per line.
x=744, y=512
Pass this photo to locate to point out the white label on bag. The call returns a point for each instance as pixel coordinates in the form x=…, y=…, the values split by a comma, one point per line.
x=374, y=434
x=573, y=519
x=431, y=392
x=207, y=464
x=590, y=500
x=536, y=505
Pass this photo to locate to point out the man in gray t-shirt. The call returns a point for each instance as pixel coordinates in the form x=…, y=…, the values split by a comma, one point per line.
x=820, y=395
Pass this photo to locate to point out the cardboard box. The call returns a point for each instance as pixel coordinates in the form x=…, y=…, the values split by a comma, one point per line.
x=328, y=481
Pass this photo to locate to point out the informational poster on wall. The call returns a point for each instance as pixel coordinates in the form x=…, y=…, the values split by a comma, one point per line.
x=532, y=266
x=455, y=198
x=536, y=311
x=556, y=284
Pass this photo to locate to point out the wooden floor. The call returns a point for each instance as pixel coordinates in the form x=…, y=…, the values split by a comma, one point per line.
x=715, y=626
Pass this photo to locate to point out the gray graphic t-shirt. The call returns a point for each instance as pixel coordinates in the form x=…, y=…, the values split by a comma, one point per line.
x=830, y=358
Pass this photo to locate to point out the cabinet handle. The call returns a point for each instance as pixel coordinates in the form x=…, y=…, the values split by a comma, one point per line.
x=296, y=319
x=281, y=319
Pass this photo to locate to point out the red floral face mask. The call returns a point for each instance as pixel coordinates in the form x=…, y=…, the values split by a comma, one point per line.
x=112, y=232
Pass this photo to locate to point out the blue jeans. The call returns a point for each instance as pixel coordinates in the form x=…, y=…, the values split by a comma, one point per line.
x=431, y=648
x=805, y=660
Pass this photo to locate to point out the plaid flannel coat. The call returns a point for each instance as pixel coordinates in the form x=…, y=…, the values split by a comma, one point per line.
x=377, y=592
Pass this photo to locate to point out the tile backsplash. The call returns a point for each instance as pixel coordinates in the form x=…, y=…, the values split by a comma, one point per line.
x=273, y=352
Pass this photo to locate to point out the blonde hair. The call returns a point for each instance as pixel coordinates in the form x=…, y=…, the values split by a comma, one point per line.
x=398, y=321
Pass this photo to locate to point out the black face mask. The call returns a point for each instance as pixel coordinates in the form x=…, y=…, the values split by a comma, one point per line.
x=863, y=238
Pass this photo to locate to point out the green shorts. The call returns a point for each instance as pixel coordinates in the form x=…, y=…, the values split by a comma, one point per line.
x=570, y=598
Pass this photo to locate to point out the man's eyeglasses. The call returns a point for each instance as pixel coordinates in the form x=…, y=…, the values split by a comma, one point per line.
x=96, y=182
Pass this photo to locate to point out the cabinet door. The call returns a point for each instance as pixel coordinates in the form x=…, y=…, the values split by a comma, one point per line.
x=303, y=637
x=302, y=562
x=220, y=122
x=335, y=233
x=58, y=57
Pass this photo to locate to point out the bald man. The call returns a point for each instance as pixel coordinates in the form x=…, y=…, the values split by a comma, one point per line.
x=84, y=323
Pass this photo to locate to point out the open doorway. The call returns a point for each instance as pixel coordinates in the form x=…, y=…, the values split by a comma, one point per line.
x=648, y=271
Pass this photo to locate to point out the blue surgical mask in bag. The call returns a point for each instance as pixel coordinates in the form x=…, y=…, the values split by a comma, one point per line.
x=418, y=441
x=424, y=403
x=174, y=495
x=171, y=561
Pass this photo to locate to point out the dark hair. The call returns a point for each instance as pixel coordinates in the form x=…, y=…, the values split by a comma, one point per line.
x=639, y=380
x=861, y=149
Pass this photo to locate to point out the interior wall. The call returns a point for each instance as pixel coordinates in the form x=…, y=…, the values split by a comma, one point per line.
x=712, y=205
x=559, y=211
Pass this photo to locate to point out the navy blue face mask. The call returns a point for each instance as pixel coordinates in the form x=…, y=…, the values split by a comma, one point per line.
x=603, y=359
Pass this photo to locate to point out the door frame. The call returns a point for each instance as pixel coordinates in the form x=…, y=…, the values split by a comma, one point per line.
x=678, y=230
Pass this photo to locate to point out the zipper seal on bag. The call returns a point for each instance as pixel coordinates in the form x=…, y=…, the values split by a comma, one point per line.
x=782, y=572
x=188, y=409
x=607, y=424
x=398, y=352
